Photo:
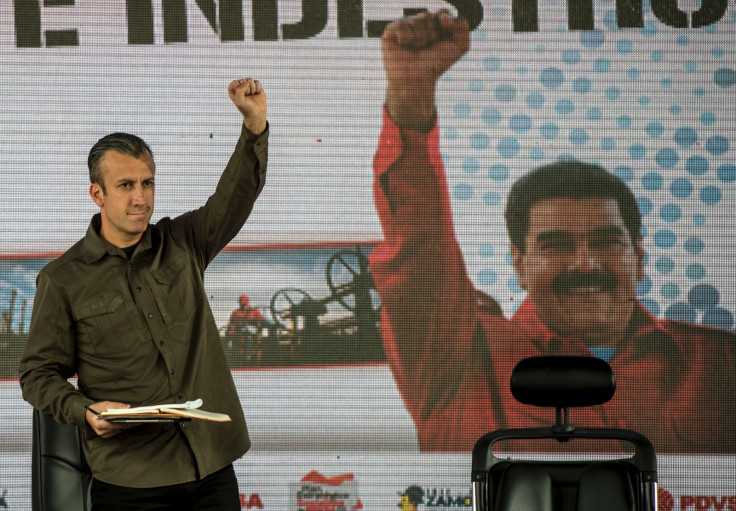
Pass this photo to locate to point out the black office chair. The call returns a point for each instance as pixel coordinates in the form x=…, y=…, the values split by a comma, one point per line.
x=60, y=476
x=606, y=482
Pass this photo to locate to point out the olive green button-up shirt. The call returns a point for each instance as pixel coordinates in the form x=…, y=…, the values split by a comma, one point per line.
x=141, y=331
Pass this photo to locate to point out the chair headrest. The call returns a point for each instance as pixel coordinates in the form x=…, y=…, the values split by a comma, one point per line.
x=562, y=381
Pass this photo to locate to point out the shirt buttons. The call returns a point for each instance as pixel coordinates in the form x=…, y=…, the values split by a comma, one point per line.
x=138, y=289
x=180, y=398
x=150, y=315
x=173, y=372
x=162, y=343
x=130, y=265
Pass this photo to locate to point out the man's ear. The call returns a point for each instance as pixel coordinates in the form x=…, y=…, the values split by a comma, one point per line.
x=518, y=259
x=95, y=191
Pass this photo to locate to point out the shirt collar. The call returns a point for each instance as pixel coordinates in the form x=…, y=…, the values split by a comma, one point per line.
x=95, y=246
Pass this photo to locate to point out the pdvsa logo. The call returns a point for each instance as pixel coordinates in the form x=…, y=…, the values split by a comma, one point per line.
x=317, y=492
x=414, y=498
x=666, y=502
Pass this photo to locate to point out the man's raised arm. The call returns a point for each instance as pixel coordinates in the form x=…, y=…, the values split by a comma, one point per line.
x=428, y=312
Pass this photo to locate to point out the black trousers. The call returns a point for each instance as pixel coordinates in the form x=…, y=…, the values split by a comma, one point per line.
x=218, y=491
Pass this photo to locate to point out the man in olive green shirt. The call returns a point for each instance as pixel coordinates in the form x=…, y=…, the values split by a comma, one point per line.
x=125, y=309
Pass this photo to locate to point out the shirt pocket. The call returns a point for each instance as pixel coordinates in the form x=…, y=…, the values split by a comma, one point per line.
x=103, y=324
x=175, y=292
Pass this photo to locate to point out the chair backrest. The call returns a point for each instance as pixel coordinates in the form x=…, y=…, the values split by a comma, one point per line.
x=591, y=486
x=60, y=476
x=576, y=483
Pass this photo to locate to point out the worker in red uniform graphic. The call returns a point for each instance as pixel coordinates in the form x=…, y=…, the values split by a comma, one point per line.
x=576, y=245
x=244, y=326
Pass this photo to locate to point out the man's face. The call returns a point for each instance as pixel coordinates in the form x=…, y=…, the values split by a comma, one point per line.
x=126, y=205
x=580, y=268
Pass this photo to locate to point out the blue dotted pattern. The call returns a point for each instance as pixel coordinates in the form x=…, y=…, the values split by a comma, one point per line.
x=654, y=105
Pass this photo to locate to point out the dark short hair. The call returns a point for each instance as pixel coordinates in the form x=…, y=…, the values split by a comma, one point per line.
x=570, y=180
x=123, y=143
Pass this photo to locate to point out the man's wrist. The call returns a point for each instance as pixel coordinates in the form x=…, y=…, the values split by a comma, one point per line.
x=255, y=125
x=80, y=410
x=413, y=119
x=412, y=108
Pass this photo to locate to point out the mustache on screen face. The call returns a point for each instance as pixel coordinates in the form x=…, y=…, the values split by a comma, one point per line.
x=572, y=282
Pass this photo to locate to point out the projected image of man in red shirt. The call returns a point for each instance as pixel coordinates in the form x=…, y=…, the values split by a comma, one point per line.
x=576, y=246
x=244, y=325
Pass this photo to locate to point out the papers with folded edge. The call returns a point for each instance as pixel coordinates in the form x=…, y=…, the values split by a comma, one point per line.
x=188, y=410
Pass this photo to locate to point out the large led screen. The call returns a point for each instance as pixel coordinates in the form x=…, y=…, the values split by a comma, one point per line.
x=371, y=289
